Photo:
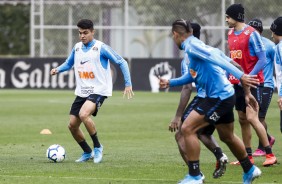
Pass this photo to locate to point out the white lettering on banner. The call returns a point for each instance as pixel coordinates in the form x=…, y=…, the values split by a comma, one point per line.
x=2, y=78
x=22, y=77
x=35, y=78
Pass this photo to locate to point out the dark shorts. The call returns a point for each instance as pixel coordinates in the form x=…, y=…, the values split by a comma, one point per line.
x=240, y=104
x=79, y=101
x=209, y=105
x=216, y=111
x=266, y=99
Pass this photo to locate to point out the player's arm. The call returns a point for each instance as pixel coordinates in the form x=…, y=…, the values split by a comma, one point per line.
x=184, y=99
x=107, y=53
x=257, y=45
x=67, y=65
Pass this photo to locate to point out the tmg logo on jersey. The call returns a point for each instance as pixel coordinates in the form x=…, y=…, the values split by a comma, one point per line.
x=236, y=54
x=193, y=73
x=86, y=75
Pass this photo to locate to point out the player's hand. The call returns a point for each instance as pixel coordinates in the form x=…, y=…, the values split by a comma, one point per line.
x=164, y=83
x=174, y=124
x=54, y=71
x=128, y=92
x=251, y=101
x=249, y=80
x=279, y=101
x=252, y=112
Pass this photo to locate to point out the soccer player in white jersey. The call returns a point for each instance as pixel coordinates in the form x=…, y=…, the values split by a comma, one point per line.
x=206, y=69
x=276, y=28
x=90, y=59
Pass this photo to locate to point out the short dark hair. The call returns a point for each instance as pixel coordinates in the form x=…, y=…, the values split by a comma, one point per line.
x=85, y=24
x=181, y=26
x=196, y=29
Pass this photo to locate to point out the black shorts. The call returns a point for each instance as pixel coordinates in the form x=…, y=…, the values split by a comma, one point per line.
x=240, y=104
x=266, y=99
x=199, y=103
x=79, y=101
x=216, y=111
x=208, y=130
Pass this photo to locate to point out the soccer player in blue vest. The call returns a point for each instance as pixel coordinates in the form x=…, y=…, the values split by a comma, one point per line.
x=276, y=28
x=206, y=69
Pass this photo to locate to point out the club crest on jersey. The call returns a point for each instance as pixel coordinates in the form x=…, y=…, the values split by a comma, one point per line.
x=77, y=49
x=95, y=48
x=247, y=32
x=193, y=73
x=214, y=117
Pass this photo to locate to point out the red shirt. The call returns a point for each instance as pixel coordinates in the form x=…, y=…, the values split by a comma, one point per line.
x=240, y=53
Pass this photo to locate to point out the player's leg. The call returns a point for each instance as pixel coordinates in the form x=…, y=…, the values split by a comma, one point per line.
x=236, y=146
x=246, y=130
x=252, y=116
x=189, y=129
x=206, y=137
x=74, y=127
x=89, y=108
x=267, y=94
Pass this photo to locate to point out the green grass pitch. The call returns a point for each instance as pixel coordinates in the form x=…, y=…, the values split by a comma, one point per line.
x=138, y=148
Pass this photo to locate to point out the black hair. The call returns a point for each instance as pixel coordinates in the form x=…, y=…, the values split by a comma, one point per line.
x=85, y=24
x=182, y=26
x=196, y=29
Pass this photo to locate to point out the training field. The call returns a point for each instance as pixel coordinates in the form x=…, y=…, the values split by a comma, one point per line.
x=138, y=148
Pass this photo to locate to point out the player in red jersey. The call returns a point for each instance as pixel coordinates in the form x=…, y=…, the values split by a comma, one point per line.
x=247, y=49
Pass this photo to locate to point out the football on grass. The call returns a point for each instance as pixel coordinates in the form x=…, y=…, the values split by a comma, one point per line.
x=56, y=153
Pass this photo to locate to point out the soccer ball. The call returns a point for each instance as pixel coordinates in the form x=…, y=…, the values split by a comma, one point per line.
x=56, y=153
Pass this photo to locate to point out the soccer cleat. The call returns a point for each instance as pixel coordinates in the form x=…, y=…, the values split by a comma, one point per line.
x=238, y=163
x=203, y=176
x=269, y=160
x=85, y=156
x=252, y=174
x=220, y=167
x=258, y=153
x=271, y=141
x=188, y=179
x=98, y=154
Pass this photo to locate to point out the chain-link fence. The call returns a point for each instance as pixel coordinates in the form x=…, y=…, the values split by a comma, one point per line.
x=136, y=28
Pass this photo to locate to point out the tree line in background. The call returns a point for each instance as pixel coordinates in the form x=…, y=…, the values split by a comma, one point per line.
x=14, y=29
x=15, y=19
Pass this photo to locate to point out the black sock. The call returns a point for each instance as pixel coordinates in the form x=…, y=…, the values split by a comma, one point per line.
x=260, y=146
x=249, y=151
x=246, y=164
x=85, y=147
x=194, y=168
x=268, y=150
x=217, y=153
x=95, y=140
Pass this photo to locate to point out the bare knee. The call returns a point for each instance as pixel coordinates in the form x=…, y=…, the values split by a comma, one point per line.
x=226, y=138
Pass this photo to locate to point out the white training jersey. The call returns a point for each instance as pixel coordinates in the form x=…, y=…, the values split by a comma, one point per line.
x=91, y=77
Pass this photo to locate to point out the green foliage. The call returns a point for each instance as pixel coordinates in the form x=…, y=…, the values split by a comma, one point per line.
x=138, y=148
x=14, y=29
